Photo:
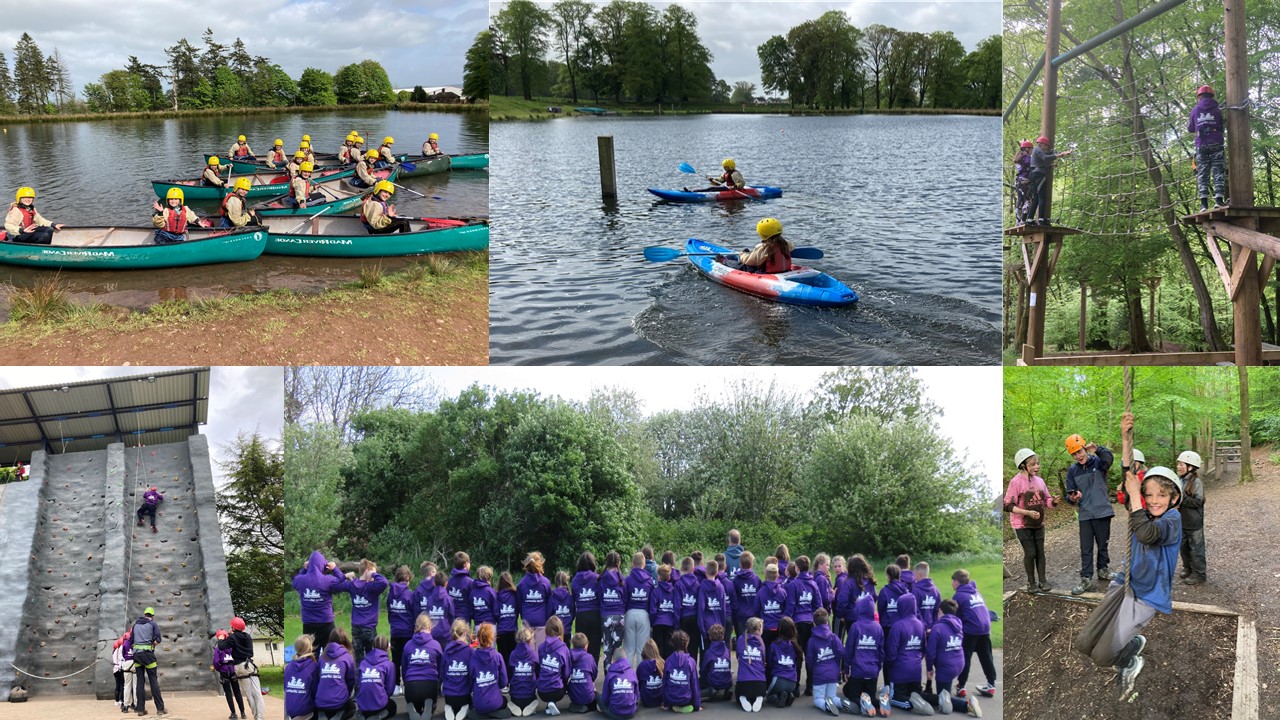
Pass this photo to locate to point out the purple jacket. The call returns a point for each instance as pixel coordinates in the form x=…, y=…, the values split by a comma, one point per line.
x=533, y=596
x=506, y=611
x=973, y=609
x=782, y=571
x=421, y=658
x=222, y=661
x=945, y=649
x=439, y=607
x=400, y=610
x=377, y=681
x=460, y=592
x=887, y=603
x=680, y=682
x=904, y=645
x=315, y=589
x=771, y=603
x=663, y=609
x=300, y=686
x=687, y=592
x=1206, y=122
x=849, y=594
x=585, y=592
x=782, y=661
x=553, y=665
x=483, y=603
x=621, y=690
x=562, y=606
x=908, y=578
x=337, y=677
x=488, y=677
x=582, y=677
x=523, y=665
x=726, y=584
x=825, y=594
x=864, y=655
x=151, y=497
x=638, y=586
x=364, y=600
x=612, y=594
x=711, y=606
x=456, y=663
x=716, y=672
x=745, y=586
x=650, y=683
x=825, y=655
x=927, y=599
x=751, y=660
x=802, y=598
x=420, y=595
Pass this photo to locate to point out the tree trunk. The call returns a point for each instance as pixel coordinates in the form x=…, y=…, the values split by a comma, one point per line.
x=1084, y=310
x=1138, y=341
x=1020, y=327
x=1246, y=448
x=1006, y=317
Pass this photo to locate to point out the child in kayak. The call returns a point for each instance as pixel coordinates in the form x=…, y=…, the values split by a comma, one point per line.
x=771, y=255
x=731, y=179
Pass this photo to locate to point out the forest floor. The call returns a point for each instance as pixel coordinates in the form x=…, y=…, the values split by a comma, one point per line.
x=1244, y=576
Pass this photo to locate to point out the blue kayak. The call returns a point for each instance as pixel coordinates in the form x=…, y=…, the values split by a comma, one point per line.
x=798, y=286
x=750, y=192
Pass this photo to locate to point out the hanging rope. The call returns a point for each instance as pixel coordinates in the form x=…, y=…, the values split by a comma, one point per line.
x=1126, y=459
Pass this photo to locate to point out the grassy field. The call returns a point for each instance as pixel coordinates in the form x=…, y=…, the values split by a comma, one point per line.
x=506, y=107
x=272, y=677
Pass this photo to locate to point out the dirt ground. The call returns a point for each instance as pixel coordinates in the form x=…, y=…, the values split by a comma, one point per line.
x=181, y=706
x=399, y=327
x=1241, y=525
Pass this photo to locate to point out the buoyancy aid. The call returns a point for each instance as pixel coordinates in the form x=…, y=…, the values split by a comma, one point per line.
x=28, y=215
x=242, y=150
x=175, y=219
x=778, y=261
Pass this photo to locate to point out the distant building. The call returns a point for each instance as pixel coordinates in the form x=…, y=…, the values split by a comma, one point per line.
x=266, y=650
x=456, y=90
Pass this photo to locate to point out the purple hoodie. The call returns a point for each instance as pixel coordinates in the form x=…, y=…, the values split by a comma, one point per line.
x=377, y=681
x=533, y=596
x=680, y=682
x=650, y=683
x=782, y=571
x=887, y=604
x=908, y=578
x=712, y=609
x=751, y=660
x=439, y=607
x=927, y=599
x=222, y=661
x=687, y=592
x=782, y=660
x=582, y=677
x=400, y=610
x=421, y=659
x=904, y=645
x=421, y=593
x=945, y=649
x=585, y=592
x=802, y=598
x=864, y=655
x=553, y=665
x=745, y=586
x=488, y=677
x=973, y=609
x=663, y=608
x=456, y=663
x=300, y=686
x=153, y=498
x=612, y=594
x=315, y=589
x=825, y=655
x=337, y=677
x=483, y=603
x=506, y=611
x=364, y=600
x=849, y=594
x=638, y=586
x=523, y=665
x=562, y=605
x=825, y=594
x=621, y=689
x=726, y=584
x=1206, y=122
x=716, y=667
x=771, y=603
x=460, y=592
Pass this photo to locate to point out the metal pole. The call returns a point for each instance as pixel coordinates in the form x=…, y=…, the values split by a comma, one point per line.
x=1248, y=323
x=608, y=174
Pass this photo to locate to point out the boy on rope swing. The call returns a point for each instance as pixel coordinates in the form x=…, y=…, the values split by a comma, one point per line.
x=1206, y=123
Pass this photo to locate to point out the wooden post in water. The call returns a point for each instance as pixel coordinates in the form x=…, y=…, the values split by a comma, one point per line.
x=1248, y=321
x=608, y=173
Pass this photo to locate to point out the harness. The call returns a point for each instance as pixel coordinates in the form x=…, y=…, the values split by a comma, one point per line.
x=175, y=221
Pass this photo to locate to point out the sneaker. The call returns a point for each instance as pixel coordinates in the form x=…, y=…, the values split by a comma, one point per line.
x=162, y=712
x=1219, y=202
x=1194, y=580
x=987, y=690
x=139, y=523
x=974, y=709
x=153, y=529
x=232, y=716
x=399, y=690
x=1204, y=204
x=1105, y=574
x=919, y=706
x=1184, y=573
x=1086, y=584
x=552, y=710
x=962, y=693
x=1032, y=587
x=1131, y=650
x=745, y=703
x=1129, y=676
x=832, y=708
x=883, y=696
x=864, y=704
x=1045, y=587
x=944, y=702
x=759, y=703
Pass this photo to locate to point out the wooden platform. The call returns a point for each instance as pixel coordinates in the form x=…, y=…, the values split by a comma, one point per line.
x=1231, y=212
x=1025, y=230
x=1226, y=357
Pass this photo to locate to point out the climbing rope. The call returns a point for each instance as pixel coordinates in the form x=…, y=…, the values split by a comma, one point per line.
x=60, y=677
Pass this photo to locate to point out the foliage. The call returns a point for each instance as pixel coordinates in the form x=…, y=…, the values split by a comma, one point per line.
x=251, y=508
x=363, y=83
x=475, y=70
x=522, y=25
x=743, y=92
x=335, y=395
x=314, y=458
x=30, y=80
x=257, y=579
x=315, y=87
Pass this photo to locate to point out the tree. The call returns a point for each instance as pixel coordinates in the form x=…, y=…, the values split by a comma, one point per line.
x=271, y=86
x=523, y=26
x=720, y=91
x=777, y=67
x=336, y=395
x=228, y=89
x=251, y=508
x=6, y=86
x=570, y=19
x=184, y=70
x=688, y=60
x=419, y=94
x=315, y=87
x=743, y=93
x=60, y=79
x=241, y=62
x=878, y=41
x=315, y=457
x=214, y=55
x=475, y=70
x=363, y=83
x=885, y=393
x=1246, y=440
x=29, y=79
x=150, y=82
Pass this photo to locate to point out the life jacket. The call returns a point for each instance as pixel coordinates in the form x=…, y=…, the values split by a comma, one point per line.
x=242, y=150
x=727, y=179
x=778, y=260
x=364, y=212
x=223, y=209
x=28, y=215
x=276, y=156
x=175, y=220
x=306, y=190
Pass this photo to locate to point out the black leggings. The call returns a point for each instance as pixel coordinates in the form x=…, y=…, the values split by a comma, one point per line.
x=587, y=622
x=981, y=644
x=611, y=715
x=319, y=633
x=346, y=712
x=854, y=688
x=506, y=643
x=457, y=702
x=750, y=689
x=420, y=692
x=1039, y=195
x=231, y=686
x=39, y=236
x=661, y=636
x=804, y=630
x=689, y=624
x=397, y=225
x=397, y=656
x=1032, y=540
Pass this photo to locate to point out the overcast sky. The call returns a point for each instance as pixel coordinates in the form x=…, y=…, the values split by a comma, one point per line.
x=970, y=397
x=733, y=29
x=419, y=42
x=241, y=399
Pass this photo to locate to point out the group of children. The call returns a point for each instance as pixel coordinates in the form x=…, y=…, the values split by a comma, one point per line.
x=668, y=635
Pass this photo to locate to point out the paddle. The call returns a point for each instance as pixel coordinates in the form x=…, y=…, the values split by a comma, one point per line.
x=662, y=254
x=415, y=192
x=408, y=166
x=304, y=222
x=687, y=169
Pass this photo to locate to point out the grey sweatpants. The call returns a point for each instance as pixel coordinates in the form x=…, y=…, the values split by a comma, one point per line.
x=1131, y=618
x=637, y=634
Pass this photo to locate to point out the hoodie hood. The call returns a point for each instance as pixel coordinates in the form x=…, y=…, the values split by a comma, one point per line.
x=821, y=631
x=458, y=572
x=865, y=608
x=954, y=622
x=620, y=666
x=375, y=656
x=906, y=606
x=733, y=552
x=317, y=562
x=334, y=651
x=639, y=575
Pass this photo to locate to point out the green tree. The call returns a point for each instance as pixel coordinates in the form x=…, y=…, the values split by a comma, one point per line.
x=570, y=20
x=6, y=86
x=29, y=78
x=251, y=508
x=419, y=94
x=523, y=26
x=777, y=67
x=688, y=67
x=214, y=55
x=980, y=71
x=885, y=393
x=743, y=93
x=60, y=80
x=150, y=79
x=878, y=43
x=228, y=89
x=271, y=86
x=476, y=82
x=363, y=83
x=720, y=91
x=315, y=87
x=315, y=457
x=184, y=72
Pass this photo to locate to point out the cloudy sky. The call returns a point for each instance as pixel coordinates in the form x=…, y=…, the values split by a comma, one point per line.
x=733, y=29
x=970, y=397
x=241, y=399
x=419, y=42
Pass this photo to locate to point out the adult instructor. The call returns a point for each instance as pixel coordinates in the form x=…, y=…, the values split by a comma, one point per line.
x=1087, y=490
x=145, y=637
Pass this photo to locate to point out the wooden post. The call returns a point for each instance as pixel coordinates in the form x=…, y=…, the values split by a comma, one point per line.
x=608, y=173
x=1049, y=111
x=1084, y=313
x=1248, y=322
x=1037, y=288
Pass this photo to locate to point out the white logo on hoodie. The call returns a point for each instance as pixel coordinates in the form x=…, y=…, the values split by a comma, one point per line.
x=457, y=667
x=331, y=670
x=420, y=655
x=523, y=668
x=296, y=685
x=678, y=676
x=623, y=685
x=866, y=641
x=396, y=606
x=370, y=675
x=913, y=643
x=485, y=679
x=533, y=595
x=311, y=595
x=955, y=642
x=507, y=611
x=751, y=652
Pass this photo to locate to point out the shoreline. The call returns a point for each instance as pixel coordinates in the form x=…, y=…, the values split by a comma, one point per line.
x=204, y=112
x=513, y=108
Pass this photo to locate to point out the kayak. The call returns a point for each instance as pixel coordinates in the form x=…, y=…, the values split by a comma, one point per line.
x=265, y=185
x=477, y=161
x=129, y=248
x=346, y=236
x=425, y=166
x=798, y=286
x=750, y=192
x=339, y=196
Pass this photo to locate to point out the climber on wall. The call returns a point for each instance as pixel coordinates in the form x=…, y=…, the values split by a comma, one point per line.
x=150, y=501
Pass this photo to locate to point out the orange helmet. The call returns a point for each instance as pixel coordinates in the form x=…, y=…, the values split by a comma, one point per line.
x=1075, y=444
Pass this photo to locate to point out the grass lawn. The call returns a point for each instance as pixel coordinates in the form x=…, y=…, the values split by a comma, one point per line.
x=272, y=676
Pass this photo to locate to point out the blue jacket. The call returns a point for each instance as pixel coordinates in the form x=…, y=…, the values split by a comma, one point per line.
x=731, y=555
x=1153, y=556
x=1091, y=480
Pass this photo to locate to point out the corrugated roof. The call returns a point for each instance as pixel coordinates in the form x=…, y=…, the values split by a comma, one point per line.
x=148, y=409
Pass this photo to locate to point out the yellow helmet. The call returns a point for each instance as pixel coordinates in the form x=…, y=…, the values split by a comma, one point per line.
x=768, y=227
x=240, y=139
x=175, y=193
x=307, y=167
x=279, y=142
x=299, y=154
x=243, y=183
x=304, y=145
x=729, y=164
x=24, y=192
x=214, y=162
x=388, y=140
x=372, y=154
x=433, y=136
x=359, y=139
x=351, y=137
x=384, y=185
x=307, y=138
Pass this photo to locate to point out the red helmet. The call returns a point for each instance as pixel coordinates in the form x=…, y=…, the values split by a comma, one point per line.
x=237, y=623
x=1204, y=89
x=1042, y=139
x=153, y=488
x=1026, y=144
x=221, y=635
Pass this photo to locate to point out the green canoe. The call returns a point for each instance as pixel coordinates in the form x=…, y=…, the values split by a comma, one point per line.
x=346, y=236
x=477, y=161
x=265, y=184
x=425, y=166
x=242, y=167
x=132, y=248
x=339, y=197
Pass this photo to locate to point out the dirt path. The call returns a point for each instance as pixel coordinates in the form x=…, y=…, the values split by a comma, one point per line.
x=181, y=706
x=1241, y=523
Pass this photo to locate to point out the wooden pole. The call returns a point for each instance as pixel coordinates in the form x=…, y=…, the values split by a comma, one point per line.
x=1037, y=288
x=1084, y=311
x=608, y=173
x=1248, y=322
x=1049, y=111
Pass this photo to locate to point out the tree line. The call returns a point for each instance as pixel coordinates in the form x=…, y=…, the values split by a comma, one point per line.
x=857, y=466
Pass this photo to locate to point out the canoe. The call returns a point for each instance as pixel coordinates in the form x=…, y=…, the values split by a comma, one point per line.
x=242, y=167
x=750, y=192
x=425, y=166
x=265, y=185
x=591, y=110
x=799, y=286
x=346, y=236
x=342, y=196
x=131, y=248
x=477, y=161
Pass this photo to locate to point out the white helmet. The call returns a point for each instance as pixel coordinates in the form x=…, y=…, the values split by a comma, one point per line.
x=1022, y=455
x=1190, y=457
x=1138, y=456
x=1166, y=473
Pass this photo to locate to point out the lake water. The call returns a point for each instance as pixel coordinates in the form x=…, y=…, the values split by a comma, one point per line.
x=100, y=173
x=906, y=209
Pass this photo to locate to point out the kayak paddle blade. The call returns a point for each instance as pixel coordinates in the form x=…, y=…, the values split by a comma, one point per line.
x=687, y=169
x=409, y=167
x=807, y=253
x=661, y=254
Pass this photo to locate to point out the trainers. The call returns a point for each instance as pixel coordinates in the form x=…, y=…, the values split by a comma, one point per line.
x=1184, y=573
x=944, y=701
x=919, y=706
x=832, y=707
x=759, y=703
x=1105, y=574
x=139, y=523
x=883, y=697
x=745, y=703
x=1129, y=676
x=1193, y=580
x=1045, y=587
x=974, y=709
x=552, y=710
x=1219, y=202
x=987, y=690
x=1086, y=584
x=1131, y=650
x=864, y=704
x=153, y=529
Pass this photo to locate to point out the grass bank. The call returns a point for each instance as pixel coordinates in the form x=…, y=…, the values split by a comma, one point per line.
x=504, y=107
x=290, y=110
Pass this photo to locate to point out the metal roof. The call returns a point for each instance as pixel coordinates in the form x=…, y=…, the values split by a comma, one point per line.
x=148, y=409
